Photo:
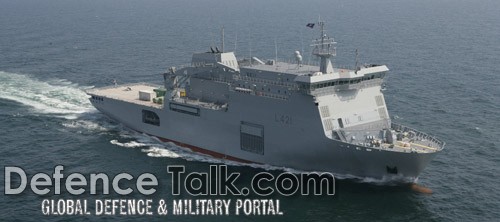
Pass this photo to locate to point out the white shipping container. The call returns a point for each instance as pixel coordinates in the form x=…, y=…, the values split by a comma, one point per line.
x=145, y=95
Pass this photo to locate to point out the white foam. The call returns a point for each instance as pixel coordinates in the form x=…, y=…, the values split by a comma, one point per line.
x=160, y=152
x=87, y=124
x=59, y=97
x=131, y=144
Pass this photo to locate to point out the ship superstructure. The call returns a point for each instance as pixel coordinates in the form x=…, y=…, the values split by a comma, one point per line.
x=294, y=115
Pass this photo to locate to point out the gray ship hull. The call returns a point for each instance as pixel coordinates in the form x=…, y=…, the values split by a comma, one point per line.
x=297, y=142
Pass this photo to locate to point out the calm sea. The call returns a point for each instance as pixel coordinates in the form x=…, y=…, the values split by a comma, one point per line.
x=443, y=54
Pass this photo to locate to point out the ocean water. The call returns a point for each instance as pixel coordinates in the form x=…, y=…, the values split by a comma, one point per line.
x=443, y=56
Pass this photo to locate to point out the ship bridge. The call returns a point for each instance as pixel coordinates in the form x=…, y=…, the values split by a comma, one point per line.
x=317, y=80
x=309, y=79
x=342, y=79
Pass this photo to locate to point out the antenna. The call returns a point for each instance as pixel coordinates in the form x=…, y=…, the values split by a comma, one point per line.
x=222, y=39
x=275, y=52
x=356, y=68
x=235, y=42
x=212, y=43
x=301, y=41
x=250, y=49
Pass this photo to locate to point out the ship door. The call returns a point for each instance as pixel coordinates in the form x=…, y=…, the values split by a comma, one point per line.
x=341, y=124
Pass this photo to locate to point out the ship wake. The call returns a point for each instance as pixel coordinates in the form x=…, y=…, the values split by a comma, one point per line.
x=56, y=97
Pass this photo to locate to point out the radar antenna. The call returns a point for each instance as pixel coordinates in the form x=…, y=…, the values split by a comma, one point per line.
x=356, y=66
x=298, y=58
x=324, y=48
x=276, y=52
x=235, y=42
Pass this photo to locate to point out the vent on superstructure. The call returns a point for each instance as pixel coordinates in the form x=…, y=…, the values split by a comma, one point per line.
x=328, y=124
x=185, y=109
x=382, y=113
x=252, y=137
x=325, y=111
x=379, y=100
x=150, y=117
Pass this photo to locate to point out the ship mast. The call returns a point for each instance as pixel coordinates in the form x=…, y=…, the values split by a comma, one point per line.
x=324, y=48
x=222, y=39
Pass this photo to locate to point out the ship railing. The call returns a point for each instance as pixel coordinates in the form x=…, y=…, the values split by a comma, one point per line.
x=291, y=62
x=201, y=104
x=348, y=86
x=189, y=65
x=312, y=65
x=305, y=67
x=418, y=134
x=220, y=80
x=265, y=81
x=359, y=84
x=271, y=95
x=124, y=85
x=372, y=126
x=260, y=93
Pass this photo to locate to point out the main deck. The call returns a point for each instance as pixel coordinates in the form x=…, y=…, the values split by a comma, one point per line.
x=127, y=92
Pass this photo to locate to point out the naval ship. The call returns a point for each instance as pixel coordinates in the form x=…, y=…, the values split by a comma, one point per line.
x=286, y=114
